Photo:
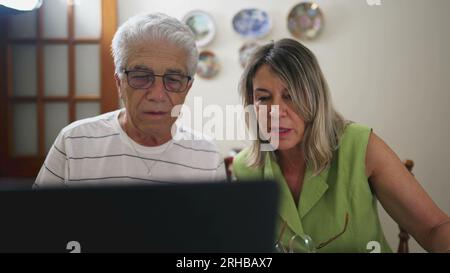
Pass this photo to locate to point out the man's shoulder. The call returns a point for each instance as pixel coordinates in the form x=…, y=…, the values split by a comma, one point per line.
x=96, y=126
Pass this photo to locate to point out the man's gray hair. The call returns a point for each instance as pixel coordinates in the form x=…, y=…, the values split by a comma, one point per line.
x=149, y=28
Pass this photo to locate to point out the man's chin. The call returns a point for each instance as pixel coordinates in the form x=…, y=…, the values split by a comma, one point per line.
x=152, y=124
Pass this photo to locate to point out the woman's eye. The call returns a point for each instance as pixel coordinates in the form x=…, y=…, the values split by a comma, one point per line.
x=288, y=97
x=262, y=98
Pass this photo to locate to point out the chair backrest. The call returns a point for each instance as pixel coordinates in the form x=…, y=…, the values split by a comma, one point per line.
x=403, y=235
x=228, y=166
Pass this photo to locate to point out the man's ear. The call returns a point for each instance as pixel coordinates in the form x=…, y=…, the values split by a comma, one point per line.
x=118, y=84
x=190, y=85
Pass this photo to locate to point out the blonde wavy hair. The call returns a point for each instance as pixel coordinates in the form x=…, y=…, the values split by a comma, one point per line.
x=299, y=69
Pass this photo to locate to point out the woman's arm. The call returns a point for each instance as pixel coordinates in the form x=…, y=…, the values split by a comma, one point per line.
x=404, y=199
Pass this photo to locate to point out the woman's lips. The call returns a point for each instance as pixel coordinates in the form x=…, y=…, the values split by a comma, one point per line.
x=281, y=131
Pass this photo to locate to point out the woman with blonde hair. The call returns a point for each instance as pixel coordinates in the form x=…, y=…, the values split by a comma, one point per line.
x=330, y=171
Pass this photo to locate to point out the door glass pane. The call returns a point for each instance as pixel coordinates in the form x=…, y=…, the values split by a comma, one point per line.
x=87, y=18
x=24, y=70
x=56, y=117
x=55, y=70
x=87, y=70
x=25, y=132
x=55, y=18
x=87, y=109
x=23, y=25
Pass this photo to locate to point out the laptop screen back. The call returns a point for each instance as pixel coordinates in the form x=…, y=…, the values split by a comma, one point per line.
x=202, y=217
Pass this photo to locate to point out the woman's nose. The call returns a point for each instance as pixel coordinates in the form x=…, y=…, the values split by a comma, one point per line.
x=278, y=110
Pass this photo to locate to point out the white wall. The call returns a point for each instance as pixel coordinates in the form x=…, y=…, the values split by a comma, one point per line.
x=387, y=66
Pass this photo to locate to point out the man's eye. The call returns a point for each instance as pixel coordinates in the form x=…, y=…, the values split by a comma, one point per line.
x=173, y=79
x=139, y=77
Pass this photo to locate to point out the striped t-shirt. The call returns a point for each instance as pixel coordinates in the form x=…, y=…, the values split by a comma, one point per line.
x=96, y=151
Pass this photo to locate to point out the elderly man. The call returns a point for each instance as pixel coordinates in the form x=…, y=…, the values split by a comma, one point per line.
x=155, y=58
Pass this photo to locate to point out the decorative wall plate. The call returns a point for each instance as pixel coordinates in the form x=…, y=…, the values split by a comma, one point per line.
x=246, y=51
x=208, y=64
x=305, y=20
x=202, y=25
x=252, y=23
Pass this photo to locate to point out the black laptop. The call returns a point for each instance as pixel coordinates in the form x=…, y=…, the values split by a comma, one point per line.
x=201, y=217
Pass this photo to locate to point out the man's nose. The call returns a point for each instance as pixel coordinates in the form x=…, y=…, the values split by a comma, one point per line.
x=156, y=91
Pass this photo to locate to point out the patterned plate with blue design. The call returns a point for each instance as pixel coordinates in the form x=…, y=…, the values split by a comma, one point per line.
x=246, y=51
x=305, y=20
x=208, y=64
x=252, y=23
x=202, y=25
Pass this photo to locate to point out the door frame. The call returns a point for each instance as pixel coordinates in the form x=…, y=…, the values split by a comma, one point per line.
x=28, y=166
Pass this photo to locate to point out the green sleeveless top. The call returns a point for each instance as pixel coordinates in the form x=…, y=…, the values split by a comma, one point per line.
x=327, y=199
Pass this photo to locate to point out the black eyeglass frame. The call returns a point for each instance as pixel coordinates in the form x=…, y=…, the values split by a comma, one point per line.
x=163, y=76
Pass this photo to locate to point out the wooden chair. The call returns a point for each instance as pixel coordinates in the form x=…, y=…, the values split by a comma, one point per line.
x=228, y=165
x=403, y=235
x=229, y=162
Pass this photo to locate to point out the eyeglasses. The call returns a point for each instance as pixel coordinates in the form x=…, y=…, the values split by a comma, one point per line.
x=307, y=242
x=143, y=79
x=337, y=235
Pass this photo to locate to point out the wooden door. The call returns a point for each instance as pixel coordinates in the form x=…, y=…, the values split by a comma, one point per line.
x=56, y=68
